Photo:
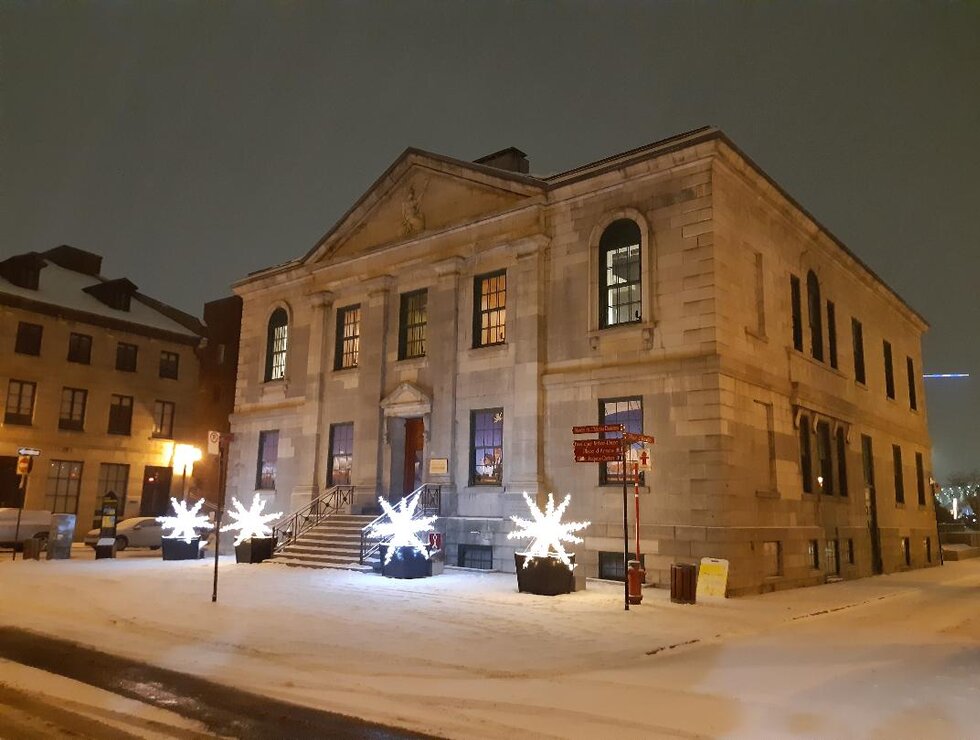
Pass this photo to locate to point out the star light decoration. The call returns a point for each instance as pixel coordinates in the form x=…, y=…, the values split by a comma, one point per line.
x=185, y=521
x=547, y=531
x=250, y=522
x=402, y=528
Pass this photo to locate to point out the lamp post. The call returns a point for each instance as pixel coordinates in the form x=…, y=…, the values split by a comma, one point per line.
x=184, y=457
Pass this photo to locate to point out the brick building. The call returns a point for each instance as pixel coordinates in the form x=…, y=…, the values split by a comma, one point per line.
x=456, y=323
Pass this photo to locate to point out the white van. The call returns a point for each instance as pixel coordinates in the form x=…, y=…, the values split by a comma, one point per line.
x=33, y=523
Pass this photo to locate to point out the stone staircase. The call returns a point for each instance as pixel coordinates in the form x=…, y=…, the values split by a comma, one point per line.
x=335, y=543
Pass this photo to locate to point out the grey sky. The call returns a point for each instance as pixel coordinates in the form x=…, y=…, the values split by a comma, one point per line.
x=191, y=143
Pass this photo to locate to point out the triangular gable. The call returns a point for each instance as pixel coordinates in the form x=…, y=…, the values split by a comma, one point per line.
x=419, y=193
x=407, y=400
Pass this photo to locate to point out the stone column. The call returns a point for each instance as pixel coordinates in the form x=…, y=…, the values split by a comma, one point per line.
x=321, y=303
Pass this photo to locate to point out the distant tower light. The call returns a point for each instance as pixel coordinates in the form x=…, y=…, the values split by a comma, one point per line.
x=946, y=375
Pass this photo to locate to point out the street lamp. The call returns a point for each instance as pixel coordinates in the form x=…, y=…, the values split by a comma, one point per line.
x=184, y=457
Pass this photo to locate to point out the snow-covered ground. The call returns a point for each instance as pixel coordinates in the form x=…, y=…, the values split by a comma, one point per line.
x=464, y=655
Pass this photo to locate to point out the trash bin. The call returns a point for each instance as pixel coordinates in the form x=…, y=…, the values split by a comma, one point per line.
x=32, y=549
x=683, y=583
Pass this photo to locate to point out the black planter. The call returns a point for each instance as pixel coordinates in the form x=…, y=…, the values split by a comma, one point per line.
x=407, y=562
x=544, y=576
x=178, y=549
x=255, y=550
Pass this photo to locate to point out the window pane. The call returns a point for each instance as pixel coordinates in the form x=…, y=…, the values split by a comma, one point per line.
x=490, y=313
x=412, y=324
x=629, y=413
x=341, y=454
x=348, y=337
x=265, y=477
x=487, y=448
x=64, y=480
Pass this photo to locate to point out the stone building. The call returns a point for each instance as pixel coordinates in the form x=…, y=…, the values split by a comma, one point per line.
x=461, y=317
x=102, y=379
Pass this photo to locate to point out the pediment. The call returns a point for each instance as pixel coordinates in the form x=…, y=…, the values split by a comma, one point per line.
x=420, y=195
x=407, y=400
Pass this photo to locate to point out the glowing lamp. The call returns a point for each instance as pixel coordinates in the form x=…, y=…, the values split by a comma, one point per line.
x=546, y=531
x=402, y=528
x=185, y=456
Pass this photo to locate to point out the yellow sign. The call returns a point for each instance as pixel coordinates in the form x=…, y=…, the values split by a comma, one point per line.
x=712, y=577
x=438, y=466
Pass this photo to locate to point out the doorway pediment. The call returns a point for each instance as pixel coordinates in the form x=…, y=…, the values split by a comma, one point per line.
x=407, y=400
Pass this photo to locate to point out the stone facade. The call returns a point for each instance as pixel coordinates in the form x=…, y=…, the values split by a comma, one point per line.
x=59, y=390
x=707, y=354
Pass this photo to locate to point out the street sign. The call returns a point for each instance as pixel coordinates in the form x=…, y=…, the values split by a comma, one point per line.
x=29, y=451
x=24, y=464
x=631, y=437
x=600, y=456
x=643, y=459
x=597, y=429
x=597, y=444
x=214, y=443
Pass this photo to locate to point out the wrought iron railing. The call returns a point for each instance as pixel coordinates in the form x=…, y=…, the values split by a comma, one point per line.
x=429, y=497
x=291, y=526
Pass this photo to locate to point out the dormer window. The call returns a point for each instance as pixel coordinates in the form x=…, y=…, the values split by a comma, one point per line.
x=113, y=293
x=23, y=270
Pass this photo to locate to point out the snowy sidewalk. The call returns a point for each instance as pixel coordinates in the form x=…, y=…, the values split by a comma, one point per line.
x=461, y=654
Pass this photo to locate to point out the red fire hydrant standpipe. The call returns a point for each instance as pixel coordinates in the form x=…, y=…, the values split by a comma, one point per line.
x=635, y=575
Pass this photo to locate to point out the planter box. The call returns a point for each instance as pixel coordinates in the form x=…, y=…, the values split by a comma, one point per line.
x=544, y=576
x=177, y=549
x=255, y=550
x=406, y=563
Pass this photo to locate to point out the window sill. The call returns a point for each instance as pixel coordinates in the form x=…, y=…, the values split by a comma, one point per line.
x=410, y=363
x=351, y=369
x=120, y=434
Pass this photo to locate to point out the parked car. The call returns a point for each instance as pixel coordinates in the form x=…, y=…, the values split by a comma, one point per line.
x=33, y=523
x=137, y=531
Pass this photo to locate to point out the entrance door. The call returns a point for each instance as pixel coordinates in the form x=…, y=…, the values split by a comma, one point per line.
x=871, y=502
x=9, y=482
x=155, y=500
x=414, y=445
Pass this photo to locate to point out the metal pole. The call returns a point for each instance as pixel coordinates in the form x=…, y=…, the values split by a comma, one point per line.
x=222, y=472
x=636, y=501
x=20, y=509
x=626, y=531
x=183, y=483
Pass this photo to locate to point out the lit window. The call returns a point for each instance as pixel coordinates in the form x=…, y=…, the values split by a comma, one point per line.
x=64, y=480
x=341, y=458
x=489, y=309
x=486, y=447
x=276, y=345
x=412, y=324
x=348, y=337
x=265, y=475
x=620, y=282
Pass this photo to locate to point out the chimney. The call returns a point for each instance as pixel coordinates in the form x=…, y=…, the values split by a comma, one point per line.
x=511, y=159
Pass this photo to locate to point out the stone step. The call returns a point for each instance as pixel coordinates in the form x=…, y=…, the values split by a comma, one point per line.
x=338, y=559
x=304, y=563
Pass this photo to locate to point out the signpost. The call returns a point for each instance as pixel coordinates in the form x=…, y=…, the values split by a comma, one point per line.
x=25, y=463
x=224, y=441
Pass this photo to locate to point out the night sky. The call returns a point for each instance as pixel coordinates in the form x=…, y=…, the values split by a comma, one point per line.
x=190, y=143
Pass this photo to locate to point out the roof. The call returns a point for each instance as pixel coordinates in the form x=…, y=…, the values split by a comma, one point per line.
x=66, y=291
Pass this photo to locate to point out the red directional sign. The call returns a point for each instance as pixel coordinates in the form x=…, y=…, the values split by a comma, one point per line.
x=598, y=456
x=612, y=445
x=631, y=437
x=597, y=429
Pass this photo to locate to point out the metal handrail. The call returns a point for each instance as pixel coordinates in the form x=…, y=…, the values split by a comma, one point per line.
x=431, y=503
x=291, y=526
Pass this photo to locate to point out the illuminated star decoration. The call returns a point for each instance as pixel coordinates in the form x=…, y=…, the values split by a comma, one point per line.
x=185, y=521
x=250, y=522
x=402, y=529
x=547, y=531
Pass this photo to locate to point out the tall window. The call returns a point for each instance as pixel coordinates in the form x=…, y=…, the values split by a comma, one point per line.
x=20, y=402
x=64, y=480
x=126, y=355
x=824, y=460
x=889, y=370
x=920, y=479
x=857, y=337
x=486, y=447
x=120, y=414
x=169, y=365
x=806, y=453
x=28, y=339
x=163, y=419
x=412, y=321
x=265, y=473
x=910, y=371
x=276, y=344
x=760, y=296
x=620, y=282
x=796, y=305
x=72, y=415
x=814, y=307
x=832, y=333
x=80, y=348
x=489, y=309
x=113, y=478
x=899, y=478
x=348, y=337
x=841, y=461
x=341, y=458
x=628, y=412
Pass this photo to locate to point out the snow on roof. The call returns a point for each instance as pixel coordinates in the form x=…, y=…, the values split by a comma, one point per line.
x=58, y=286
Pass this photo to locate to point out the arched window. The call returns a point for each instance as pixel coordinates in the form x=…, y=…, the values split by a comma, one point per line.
x=277, y=340
x=816, y=322
x=620, y=282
